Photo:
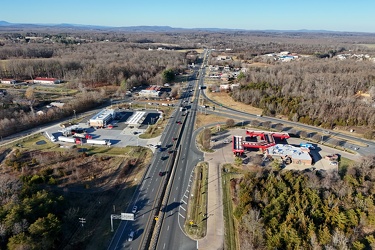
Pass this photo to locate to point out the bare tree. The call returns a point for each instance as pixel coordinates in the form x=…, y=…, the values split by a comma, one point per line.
x=230, y=123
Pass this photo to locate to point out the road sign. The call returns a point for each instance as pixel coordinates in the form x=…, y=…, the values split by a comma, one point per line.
x=127, y=216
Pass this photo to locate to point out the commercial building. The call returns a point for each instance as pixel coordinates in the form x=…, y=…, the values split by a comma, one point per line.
x=291, y=154
x=102, y=118
x=41, y=80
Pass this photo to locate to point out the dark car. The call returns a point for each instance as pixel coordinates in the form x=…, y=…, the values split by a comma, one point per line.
x=170, y=151
x=174, y=138
x=161, y=173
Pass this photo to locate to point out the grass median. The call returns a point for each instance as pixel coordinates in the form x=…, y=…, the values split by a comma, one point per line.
x=230, y=240
x=196, y=220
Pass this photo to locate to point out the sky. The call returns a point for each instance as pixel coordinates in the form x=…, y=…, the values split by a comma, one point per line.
x=334, y=15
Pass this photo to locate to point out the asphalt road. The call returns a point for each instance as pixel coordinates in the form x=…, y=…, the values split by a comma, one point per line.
x=148, y=196
x=172, y=235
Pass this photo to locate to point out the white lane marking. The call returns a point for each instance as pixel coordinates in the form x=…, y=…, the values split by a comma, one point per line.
x=186, y=196
x=174, y=199
x=182, y=208
x=168, y=228
x=181, y=215
x=152, y=190
x=176, y=188
x=184, y=201
x=164, y=246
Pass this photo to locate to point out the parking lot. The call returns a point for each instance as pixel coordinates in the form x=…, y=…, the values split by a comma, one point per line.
x=118, y=131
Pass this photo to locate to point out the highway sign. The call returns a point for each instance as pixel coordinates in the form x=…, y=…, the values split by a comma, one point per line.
x=127, y=216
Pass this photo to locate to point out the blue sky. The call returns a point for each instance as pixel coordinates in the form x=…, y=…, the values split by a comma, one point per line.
x=335, y=15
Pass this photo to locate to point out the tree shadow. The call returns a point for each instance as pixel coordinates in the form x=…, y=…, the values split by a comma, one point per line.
x=171, y=206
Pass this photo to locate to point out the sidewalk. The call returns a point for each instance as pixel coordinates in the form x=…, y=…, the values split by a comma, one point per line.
x=214, y=240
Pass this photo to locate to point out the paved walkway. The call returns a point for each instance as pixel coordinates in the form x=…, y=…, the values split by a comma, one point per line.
x=214, y=239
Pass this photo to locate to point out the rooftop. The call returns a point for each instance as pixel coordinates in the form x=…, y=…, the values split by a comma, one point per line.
x=289, y=150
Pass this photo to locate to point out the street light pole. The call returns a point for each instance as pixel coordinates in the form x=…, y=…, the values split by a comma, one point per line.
x=82, y=221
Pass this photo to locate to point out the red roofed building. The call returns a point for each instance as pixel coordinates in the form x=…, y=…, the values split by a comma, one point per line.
x=43, y=80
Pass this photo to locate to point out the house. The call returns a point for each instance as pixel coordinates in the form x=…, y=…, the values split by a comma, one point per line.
x=223, y=58
x=152, y=91
x=42, y=80
x=224, y=87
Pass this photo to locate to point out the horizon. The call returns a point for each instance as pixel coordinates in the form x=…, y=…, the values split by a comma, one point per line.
x=77, y=25
x=347, y=16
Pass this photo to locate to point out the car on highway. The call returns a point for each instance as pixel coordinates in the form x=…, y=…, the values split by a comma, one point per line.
x=161, y=173
x=131, y=236
x=134, y=210
x=174, y=138
x=179, y=122
x=170, y=151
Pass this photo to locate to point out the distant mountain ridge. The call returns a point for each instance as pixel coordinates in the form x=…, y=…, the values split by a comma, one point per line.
x=7, y=25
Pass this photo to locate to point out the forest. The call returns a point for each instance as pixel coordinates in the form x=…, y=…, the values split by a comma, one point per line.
x=320, y=92
x=306, y=209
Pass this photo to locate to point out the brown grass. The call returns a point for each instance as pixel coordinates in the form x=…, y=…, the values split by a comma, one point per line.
x=204, y=120
x=226, y=100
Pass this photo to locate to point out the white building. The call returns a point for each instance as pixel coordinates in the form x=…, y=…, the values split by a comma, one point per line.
x=8, y=81
x=149, y=93
x=42, y=80
x=297, y=155
x=102, y=118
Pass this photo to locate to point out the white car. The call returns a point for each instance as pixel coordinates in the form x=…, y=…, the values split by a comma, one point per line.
x=131, y=236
